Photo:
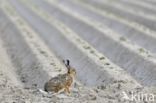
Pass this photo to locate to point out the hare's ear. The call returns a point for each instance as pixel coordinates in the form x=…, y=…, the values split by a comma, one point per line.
x=68, y=62
x=63, y=61
x=68, y=65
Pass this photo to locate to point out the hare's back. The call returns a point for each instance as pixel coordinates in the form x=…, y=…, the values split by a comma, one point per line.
x=51, y=87
x=62, y=78
x=59, y=82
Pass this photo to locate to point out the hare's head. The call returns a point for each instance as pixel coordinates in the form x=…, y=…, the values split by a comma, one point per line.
x=67, y=63
x=71, y=71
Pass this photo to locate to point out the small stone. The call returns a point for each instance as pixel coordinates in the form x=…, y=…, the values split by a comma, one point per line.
x=141, y=50
x=86, y=47
x=103, y=87
x=96, y=90
x=107, y=64
x=42, y=52
x=119, y=86
x=92, y=51
x=122, y=39
x=93, y=97
x=102, y=58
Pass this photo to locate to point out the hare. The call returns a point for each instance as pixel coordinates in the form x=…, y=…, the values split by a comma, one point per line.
x=62, y=81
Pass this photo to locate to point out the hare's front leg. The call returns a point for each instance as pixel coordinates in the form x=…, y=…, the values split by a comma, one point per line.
x=67, y=90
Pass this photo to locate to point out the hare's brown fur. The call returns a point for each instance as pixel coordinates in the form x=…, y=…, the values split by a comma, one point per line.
x=62, y=81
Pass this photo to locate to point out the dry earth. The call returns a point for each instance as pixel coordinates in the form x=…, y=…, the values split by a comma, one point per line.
x=111, y=43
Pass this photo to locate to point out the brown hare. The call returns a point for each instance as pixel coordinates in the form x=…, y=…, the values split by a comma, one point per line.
x=62, y=81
